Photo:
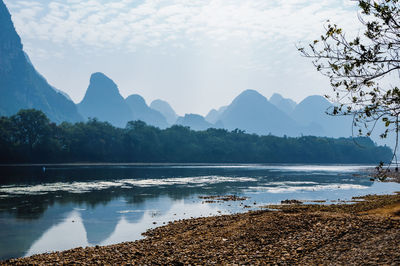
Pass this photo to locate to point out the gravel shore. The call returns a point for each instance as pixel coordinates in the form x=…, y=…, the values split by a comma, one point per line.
x=367, y=232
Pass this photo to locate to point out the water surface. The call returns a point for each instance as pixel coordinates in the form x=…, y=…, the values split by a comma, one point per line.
x=57, y=207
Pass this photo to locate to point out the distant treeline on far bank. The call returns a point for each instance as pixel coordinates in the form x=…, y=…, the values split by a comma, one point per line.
x=29, y=137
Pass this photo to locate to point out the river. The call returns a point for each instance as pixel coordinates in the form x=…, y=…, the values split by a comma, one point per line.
x=57, y=207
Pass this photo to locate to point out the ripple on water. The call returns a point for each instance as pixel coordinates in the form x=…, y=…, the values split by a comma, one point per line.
x=291, y=189
x=81, y=187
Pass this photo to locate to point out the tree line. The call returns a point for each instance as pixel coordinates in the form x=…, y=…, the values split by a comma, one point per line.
x=30, y=137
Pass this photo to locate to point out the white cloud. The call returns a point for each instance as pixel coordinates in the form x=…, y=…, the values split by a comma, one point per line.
x=194, y=48
x=125, y=23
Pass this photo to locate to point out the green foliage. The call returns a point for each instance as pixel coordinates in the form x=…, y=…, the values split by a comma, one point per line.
x=355, y=67
x=29, y=137
x=28, y=131
x=31, y=128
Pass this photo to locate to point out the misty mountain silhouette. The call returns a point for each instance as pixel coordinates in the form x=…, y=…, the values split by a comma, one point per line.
x=252, y=112
x=21, y=86
x=104, y=102
x=141, y=111
x=165, y=109
x=284, y=104
x=57, y=90
x=311, y=112
x=194, y=121
x=214, y=115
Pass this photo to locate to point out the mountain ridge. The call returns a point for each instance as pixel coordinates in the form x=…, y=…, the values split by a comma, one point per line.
x=21, y=86
x=313, y=109
x=286, y=105
x=103, y=101
x=194, y=121
x=252, y=112
x=165, y=109
x=141, y=111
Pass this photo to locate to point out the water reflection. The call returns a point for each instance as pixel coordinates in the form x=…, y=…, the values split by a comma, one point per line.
x=72, y=206
x=69, y=233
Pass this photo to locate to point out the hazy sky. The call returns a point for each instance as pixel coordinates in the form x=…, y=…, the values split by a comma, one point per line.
x=195, y=54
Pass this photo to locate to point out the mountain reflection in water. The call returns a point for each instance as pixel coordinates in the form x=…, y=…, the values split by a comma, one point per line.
x=67, y=206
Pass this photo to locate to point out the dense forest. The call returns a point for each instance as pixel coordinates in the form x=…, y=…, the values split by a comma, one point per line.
x=30, y=137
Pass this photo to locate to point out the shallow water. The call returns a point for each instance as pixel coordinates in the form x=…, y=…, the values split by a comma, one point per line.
x=64, y=206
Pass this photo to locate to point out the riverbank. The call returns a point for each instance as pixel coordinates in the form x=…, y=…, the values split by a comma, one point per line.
x=365, y=232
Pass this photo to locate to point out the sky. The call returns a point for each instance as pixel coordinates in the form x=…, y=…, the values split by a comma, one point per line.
x=195, y=54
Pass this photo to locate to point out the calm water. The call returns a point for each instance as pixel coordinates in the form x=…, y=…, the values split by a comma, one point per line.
x=66, y=206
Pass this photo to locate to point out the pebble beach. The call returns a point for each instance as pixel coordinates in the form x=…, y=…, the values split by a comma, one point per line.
x=366, y=232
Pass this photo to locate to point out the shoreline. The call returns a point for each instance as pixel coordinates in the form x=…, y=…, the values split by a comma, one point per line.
x=367, y=231
x=368, y=165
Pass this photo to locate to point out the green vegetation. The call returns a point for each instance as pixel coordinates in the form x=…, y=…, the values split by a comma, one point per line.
x=29, y=137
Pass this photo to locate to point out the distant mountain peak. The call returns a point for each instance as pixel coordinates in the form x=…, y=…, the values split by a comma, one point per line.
x=101, y=88
x=315, y=99
x=141, y=111
x=284, y=104
x=251, y=111
x=99, y=76
x=165, y=109
x=102, y=84
x=102, y=100
x=194, y=117
x=250, y=97
x=157, y=101
x=194, y=121
x=312, y=111
x=136, y=99
x=21, y=86
x=276, y=97
x=214, y=115
x=250, y=93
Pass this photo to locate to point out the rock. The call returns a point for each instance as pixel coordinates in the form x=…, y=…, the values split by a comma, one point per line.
x=322, y=234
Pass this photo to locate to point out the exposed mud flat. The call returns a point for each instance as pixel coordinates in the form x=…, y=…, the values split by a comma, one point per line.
x=367, y=232
x=218, y=198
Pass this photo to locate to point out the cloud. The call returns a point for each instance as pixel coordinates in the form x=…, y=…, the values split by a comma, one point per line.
x=130, y=24
x=195, y=48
